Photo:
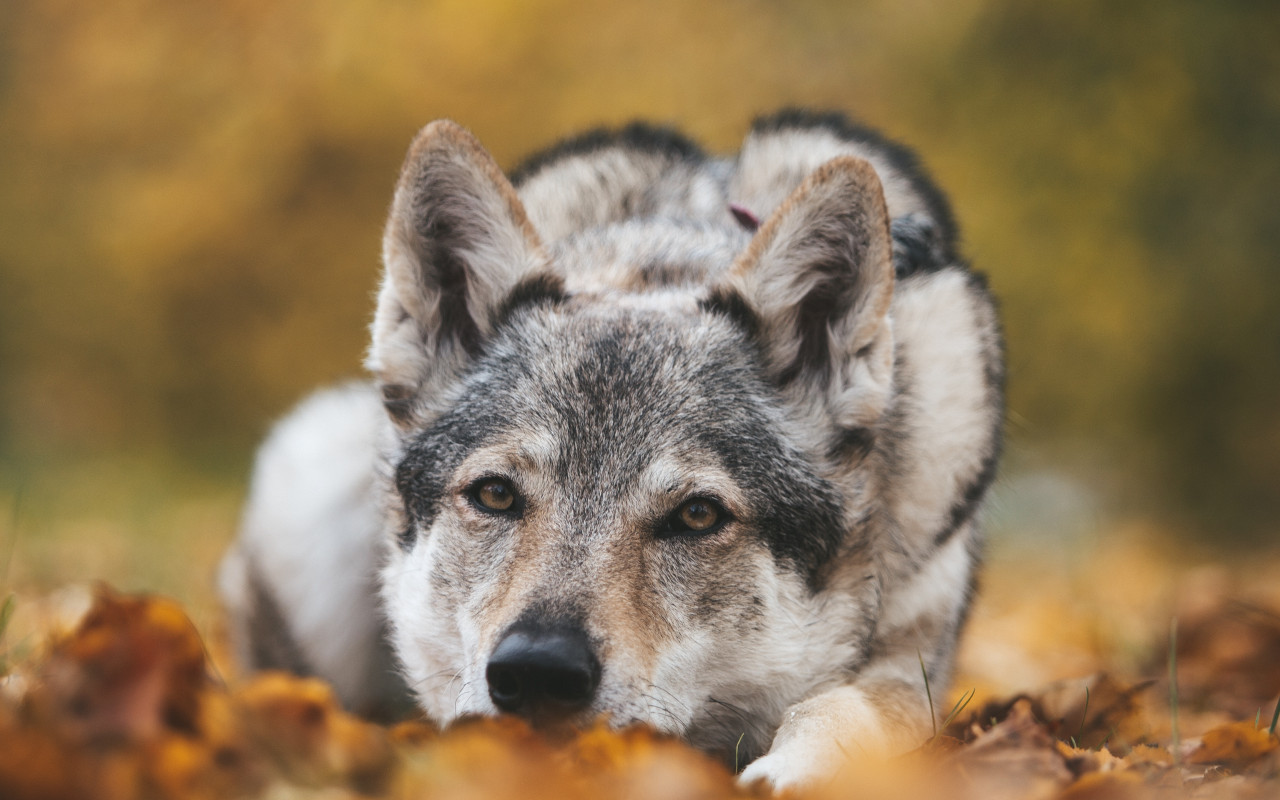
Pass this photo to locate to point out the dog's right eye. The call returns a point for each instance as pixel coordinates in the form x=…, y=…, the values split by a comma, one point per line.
x=698, y=516
x=494, y=495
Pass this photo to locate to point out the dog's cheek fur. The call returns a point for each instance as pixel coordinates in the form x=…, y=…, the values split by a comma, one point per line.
x=483, y=575
x=464, y=580
x=672, y=609
x=754, y=639
x=420, y=591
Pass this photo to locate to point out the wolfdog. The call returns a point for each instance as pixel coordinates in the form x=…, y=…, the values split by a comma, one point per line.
x=655, y=436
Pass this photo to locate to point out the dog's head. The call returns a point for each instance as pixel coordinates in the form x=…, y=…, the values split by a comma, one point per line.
x=630, y=498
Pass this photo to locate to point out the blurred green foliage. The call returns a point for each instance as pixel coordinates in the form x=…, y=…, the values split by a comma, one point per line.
x=191, y=197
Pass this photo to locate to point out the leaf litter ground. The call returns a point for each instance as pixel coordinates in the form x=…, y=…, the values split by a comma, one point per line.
x=1064, y=692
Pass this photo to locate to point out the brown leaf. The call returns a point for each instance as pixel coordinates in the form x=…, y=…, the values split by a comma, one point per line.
x=133, y=669
x=1088, y=714
x=643, y=763
x=299, y=722
x=1017, y=758
x=1228, y=655
x=1235, y=746
x=1104, y=786
x=1098, y=711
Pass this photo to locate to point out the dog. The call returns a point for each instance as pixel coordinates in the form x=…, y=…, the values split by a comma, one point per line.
x=667, y=438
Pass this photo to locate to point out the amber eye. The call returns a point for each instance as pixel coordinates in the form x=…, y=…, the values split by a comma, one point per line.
x=494, y=494
x=699, y=515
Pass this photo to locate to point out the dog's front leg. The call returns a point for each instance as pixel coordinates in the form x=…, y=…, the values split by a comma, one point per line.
x=875, y=716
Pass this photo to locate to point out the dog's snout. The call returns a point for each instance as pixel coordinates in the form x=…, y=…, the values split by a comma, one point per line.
x=538, y=671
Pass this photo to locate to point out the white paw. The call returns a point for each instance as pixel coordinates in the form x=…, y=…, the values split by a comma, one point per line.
x=791, y=768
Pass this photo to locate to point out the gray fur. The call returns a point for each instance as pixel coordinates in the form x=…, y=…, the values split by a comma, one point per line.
x=607, y=338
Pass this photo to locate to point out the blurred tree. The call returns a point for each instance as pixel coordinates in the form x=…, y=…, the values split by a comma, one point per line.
x=1135, y=145
x=191, y=197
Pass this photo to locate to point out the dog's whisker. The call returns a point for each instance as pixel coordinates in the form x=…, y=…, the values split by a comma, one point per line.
x=658, y=708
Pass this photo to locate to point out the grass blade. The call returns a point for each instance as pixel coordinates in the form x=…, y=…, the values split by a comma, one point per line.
x=1173, y=685
x=15, y=517
x=1107, y=739
x=933, y=717
x=1274, y=719
x=1084, y=715
x=956, y=709
x=6, y=611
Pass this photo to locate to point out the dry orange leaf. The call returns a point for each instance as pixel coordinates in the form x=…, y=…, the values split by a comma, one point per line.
x=1103, y=786
x=124, y=707
x=1235, y=745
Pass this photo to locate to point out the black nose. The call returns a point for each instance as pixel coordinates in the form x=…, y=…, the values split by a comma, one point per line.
x=538, y=671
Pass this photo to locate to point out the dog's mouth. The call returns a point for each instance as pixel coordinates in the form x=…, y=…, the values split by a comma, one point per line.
x=552, y=728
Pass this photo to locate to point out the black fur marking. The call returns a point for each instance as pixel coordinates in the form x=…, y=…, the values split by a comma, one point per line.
x=813, y=356
x=407, y=536
x=962, y=511
x=994, y=372
x=728, y=303
x=271, y=643
x=542, y=614
x=994, y=379
x=801, y=520
x=429, y=460
x=903, y=159
x=916, y=246
x=852, y=444
x=641, y=136
x=535, y=290
x=398, y=400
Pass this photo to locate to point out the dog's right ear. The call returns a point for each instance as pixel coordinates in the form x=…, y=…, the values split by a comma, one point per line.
x=457, y=242
x=818, y=279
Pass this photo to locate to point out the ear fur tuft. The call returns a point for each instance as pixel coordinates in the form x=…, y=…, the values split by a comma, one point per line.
x=819, y=275
x=457, y=241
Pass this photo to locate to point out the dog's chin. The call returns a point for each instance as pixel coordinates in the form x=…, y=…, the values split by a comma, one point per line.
x=558, y=727
x=555, y=728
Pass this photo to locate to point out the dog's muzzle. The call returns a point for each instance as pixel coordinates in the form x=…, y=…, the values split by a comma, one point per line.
x=540, y=671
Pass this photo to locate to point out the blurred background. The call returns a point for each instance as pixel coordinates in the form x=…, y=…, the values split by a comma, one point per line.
x=191, y=197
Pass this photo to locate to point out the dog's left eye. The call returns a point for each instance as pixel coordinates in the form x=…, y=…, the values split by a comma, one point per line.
x=494, y=495
x=700, y=515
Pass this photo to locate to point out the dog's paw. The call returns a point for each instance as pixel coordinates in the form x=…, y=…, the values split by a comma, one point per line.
x=789, y=769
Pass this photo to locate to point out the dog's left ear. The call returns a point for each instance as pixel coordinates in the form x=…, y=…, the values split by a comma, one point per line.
x=457, y=242
x=819, y=278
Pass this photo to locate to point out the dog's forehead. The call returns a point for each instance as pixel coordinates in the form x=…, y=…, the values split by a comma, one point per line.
x=605, y=378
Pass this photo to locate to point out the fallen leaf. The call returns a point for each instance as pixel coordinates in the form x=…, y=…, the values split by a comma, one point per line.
x=1235, y=746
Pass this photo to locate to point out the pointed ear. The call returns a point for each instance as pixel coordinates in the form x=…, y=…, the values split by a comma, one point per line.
x=819, y=278
x=456, y=243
